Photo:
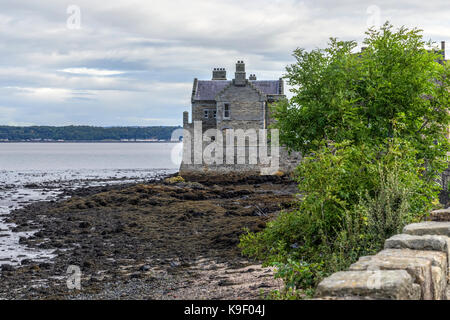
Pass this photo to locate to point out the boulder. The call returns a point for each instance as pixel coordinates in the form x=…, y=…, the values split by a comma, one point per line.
x=439, y=269
x=429, y=227
x=419, y=270
x=376, y=284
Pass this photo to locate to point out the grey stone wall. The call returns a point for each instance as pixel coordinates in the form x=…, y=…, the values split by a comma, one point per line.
x=287, y=162
x=414, y=265
x=198, y=113
x=246, y=108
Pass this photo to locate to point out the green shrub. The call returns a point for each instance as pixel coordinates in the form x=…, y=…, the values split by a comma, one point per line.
x=294, y=272
x=353, y=199
x=373, y=129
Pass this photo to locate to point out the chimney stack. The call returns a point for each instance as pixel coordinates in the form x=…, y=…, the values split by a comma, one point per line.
x=219, y=74
x=240, y=78
x=185, y=118
x=281, y=86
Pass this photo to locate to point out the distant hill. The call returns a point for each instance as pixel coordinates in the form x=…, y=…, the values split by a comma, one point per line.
x=84, y=133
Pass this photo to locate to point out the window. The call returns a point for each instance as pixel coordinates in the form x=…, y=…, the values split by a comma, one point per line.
x=206, y=114
x=226, y=110
x=215, y=114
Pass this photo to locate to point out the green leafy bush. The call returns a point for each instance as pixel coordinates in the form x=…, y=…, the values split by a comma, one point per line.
x=294, y=272
x=353, y=199
x=394, y=88
x=373, y=129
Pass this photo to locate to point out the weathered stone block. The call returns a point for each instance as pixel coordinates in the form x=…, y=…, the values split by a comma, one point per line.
x=438, y=259
x=378, y=284
x=439, y=270
x=439, y=283
x=419, y=269
x=430, y=228
x=426, y=242
x=440, y=215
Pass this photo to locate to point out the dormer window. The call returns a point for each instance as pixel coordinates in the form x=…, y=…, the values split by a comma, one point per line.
x=226, y=111
x=206, y=114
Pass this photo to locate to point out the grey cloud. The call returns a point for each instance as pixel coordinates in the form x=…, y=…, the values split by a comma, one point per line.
x=156, y=48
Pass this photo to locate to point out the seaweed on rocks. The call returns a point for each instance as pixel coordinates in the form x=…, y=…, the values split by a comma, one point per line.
x=122, y=233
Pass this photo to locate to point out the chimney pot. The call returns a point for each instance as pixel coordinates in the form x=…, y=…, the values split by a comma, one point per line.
x=219, y=74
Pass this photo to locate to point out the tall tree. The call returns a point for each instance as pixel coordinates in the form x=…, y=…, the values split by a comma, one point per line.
x=393, y=88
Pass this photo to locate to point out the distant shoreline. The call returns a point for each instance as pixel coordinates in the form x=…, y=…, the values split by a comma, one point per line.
x=49, y=134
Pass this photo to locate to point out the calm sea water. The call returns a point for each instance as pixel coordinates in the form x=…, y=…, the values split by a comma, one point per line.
x=60, y=156
x=40, y=162
x=40, y=171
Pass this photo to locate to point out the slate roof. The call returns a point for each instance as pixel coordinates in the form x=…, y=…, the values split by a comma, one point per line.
x=267, y=86
x=208, y=89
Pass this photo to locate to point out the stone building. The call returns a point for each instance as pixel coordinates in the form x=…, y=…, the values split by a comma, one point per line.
x=239, y=103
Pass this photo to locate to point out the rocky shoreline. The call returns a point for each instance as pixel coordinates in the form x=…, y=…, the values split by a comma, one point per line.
x=165, y=239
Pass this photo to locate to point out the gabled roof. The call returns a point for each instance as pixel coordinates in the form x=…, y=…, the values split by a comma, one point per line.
x=208, y=89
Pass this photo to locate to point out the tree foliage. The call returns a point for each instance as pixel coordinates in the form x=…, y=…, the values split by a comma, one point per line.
x=84, y=133
x=394, y=87
x=372, y=127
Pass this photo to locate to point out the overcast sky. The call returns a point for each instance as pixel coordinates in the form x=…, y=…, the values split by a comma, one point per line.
x=128, y=62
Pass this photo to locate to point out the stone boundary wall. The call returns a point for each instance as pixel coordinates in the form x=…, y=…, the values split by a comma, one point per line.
x=414, y=265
